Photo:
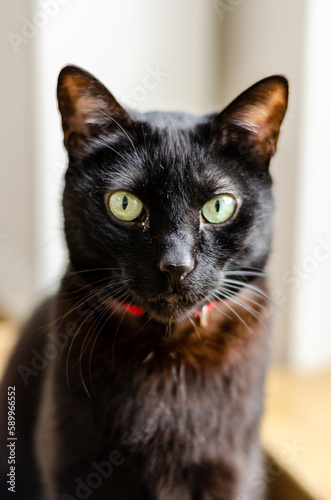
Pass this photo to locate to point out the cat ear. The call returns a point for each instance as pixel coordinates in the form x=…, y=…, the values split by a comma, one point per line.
x=252, y=121
x=88, y=110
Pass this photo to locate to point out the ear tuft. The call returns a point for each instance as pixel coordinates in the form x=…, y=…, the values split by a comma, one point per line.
x=253, y=120
x=87, y=108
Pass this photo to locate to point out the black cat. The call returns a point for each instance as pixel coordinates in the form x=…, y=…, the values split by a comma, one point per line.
x=142, y=378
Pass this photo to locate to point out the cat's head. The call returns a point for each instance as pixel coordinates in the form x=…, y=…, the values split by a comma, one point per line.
x=168, y=211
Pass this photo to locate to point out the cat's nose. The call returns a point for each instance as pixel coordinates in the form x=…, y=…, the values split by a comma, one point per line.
x=175, y=272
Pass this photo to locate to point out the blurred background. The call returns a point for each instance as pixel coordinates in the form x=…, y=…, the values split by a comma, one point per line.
x=196, y=56
x=192, y=55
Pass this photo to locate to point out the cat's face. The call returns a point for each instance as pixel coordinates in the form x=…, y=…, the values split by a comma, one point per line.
x=167, y=210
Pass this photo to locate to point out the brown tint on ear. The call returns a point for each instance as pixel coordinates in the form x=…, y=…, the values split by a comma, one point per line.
x=253, y=119
x=87, y=109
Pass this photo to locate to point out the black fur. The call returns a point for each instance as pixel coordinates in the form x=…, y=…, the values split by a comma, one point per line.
x=155, y=406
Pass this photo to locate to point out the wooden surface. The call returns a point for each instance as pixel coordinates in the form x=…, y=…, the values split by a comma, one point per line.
x=296, y=430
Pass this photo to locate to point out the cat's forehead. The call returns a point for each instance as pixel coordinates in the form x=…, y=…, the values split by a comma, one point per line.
x=169, y=120
x=170, y=137
x=177, y=152
x=170, y=152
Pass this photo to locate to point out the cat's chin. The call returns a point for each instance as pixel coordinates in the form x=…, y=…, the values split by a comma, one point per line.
x=172, y=308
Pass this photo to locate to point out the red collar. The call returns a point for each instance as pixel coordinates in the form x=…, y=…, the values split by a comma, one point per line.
x=200, y=313
x=134, y=310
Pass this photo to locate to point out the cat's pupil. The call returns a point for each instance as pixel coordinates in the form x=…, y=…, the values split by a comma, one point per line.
x=217, y=206
x=125, y=202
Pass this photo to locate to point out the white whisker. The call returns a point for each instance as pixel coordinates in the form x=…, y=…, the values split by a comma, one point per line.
x=226, y=303
x=241, y=285
x=240, y=303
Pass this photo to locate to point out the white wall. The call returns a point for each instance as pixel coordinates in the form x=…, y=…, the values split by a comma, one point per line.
x=310, y=318
x=18, y=258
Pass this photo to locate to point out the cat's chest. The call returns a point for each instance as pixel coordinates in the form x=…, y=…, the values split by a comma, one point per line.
x=187, y=387
x=188, y=395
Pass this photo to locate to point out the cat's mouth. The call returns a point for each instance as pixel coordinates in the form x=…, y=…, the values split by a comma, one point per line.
x=176, y=304
x=172, y=308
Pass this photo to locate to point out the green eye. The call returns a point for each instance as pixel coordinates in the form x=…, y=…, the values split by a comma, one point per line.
x=125, y=206
x=219, y=209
